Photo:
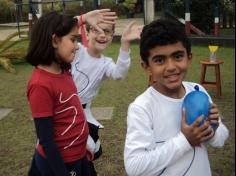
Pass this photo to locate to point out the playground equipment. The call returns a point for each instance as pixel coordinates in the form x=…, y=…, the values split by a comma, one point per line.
x=36, y=10
x=188, y=26
x=187, y=19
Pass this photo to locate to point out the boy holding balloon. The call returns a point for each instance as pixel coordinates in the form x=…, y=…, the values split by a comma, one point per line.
x=159, y=141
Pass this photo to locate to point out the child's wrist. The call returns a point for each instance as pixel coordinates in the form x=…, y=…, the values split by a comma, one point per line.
x=124, y=41
x=84, y=18
x=81, y=20
x=125, y=46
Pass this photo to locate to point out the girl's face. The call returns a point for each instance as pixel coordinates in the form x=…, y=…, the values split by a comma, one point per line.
x=168, y=66
x=66, y=46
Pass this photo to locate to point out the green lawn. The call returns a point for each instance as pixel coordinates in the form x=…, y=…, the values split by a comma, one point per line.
x=17, y=135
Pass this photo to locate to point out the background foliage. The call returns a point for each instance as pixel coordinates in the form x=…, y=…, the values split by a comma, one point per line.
x=202, y=11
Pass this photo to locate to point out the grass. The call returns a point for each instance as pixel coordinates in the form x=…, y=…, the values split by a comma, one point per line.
x=17, y=134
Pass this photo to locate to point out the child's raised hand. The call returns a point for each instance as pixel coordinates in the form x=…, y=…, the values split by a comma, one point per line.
x=194, y=133
x=213, y=117
x=93, y=18
x=131, y=32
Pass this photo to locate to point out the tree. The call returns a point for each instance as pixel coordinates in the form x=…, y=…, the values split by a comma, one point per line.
x=130, y=6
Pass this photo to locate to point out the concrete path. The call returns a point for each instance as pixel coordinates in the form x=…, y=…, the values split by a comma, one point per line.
x=122, y=23
x=12, y=27
x=4, y=112
x=102, y=113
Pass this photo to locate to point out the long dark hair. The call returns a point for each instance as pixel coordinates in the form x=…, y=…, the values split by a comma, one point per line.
x=40, y=49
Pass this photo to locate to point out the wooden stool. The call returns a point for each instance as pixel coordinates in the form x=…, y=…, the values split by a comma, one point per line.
x=208, y=84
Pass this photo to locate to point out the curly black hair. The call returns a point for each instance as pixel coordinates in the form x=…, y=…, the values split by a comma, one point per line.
x=162, y=32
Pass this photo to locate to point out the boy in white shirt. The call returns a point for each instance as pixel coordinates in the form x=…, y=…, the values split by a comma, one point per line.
x=158, y=140
x=90, y=67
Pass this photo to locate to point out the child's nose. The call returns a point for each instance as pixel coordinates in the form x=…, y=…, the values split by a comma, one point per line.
x=102, y=33
x=170, y=65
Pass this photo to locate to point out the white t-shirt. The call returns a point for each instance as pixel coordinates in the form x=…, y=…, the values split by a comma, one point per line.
x=154, y=142
x=88, y=72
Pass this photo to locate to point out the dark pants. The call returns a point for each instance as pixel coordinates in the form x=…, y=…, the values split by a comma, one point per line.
x=40, y=167
x=92, y=169
x=93, y=132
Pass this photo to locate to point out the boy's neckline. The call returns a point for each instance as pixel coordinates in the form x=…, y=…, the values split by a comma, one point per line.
x=176, y=95
x=94, y=55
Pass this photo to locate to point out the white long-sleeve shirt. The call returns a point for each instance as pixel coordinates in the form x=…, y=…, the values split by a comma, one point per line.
x=88, y=72
x=154, y=142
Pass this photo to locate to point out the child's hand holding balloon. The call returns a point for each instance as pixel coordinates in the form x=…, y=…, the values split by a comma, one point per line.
x=197, y=132
x=200, y=116
x=196, y=103
x=214, y=116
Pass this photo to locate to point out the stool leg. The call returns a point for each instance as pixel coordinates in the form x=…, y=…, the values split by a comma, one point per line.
x=203, y=73
x=218, y=80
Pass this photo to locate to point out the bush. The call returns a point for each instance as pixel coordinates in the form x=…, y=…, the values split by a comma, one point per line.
x=204, y=18
x=7, y=9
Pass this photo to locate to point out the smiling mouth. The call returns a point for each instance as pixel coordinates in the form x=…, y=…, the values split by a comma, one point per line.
x=101, y=42
x=173, y=77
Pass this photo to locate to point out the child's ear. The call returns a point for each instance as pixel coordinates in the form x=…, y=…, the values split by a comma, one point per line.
x=146, y=67
x=190, y=56
x=55, y=41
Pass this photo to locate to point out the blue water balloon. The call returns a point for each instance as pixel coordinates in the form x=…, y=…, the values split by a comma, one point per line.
x=196, y=103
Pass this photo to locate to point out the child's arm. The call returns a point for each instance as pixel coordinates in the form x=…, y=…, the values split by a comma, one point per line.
x=120, y=69
x=214, y=116
x=130, y=33
x=221, y=132
x=93, y=18
x=45, y=134
x=144, y=155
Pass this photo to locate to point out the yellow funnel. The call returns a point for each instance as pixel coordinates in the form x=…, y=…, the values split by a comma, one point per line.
x=213, y=48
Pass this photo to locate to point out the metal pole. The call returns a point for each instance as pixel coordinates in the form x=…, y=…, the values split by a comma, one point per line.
x=95, y=4
x=40, y=9
x=63, y=5
x=17, y=16
x=187, y=17
x=81, y=3
x=217, y=19
x=30, y=16
x=149, y=11
x=149, y=15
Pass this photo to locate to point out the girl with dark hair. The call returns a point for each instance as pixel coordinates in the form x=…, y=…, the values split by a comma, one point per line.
x=61, y=127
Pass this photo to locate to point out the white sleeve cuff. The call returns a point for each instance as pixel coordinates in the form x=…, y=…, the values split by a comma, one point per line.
x=124, y=56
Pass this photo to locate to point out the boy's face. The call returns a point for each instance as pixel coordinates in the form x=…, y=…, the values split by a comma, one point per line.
x=99, y=41
x=168, y=66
